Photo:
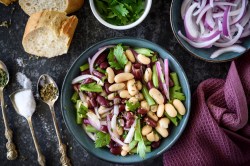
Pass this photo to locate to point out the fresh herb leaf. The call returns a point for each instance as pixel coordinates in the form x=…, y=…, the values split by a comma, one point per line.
x=81, y=111
x=103, y=139
x=141, y=147
x=84, y=67
x=132, y=107
x=154, y=58
x=119, y=55
x=75, y=97
x=144, y=51
x=112, y=61
x=91, y=87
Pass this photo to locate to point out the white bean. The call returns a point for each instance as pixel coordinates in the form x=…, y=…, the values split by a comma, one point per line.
x=146, y=130
x=157, y=138
x=111, y=96
x=128, y=67
x=130, y=55
x=138, y=85
x=139, y=96
x=179, y=106
x=132, y=87
x=171, y=111
x=156, y=95
x=111, y=75
x=148, y=75
x=116, y=87
x=164, y=122
x=152, y=116
x=154, y=108
x=143, y=59
x=163, y=132
x=122, y=77
x=124, y=94
x=160, y=110
x=144, y=105
x=151, y=137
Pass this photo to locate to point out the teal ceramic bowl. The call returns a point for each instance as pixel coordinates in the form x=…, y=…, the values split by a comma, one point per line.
x=69, y=114
x=178, y=24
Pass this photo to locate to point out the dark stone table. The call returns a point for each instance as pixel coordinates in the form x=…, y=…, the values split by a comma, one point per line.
x=156, y=28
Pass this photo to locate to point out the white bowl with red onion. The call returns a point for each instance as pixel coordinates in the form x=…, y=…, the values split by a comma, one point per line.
x=213, y=30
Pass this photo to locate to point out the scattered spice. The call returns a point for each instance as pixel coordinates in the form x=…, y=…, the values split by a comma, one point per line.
x=3, y=78
x=48, y=92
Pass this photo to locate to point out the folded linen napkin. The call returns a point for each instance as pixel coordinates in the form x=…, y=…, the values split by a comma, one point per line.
x=218, y=131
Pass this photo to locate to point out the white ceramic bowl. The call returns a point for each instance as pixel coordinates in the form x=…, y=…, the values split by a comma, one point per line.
x=148, y=5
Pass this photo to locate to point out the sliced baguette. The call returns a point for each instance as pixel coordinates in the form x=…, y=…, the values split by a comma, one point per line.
x=49, y=33
x=34, y=6
x=7, y=2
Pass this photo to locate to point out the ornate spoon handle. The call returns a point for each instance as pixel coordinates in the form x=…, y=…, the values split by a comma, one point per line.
x=41, y=158
x=11, y=148
x=65, y=161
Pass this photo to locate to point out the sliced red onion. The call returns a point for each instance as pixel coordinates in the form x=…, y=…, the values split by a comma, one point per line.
x=113, y=122
x=239, y=16
x=103, y=123
x=235, y=39
x=113, y=136
x=184, y=7
x=116, y=109
x=105, y=110
x=220, y=25
x=190, y=27
x=226, y=24
x=161, y=77
x=209, y=19
x=91, y=64
x=83, y=77
x=166, y=74
x=200, y=44
x=243, y=22
x=232, y=13
x=207, y=7
x=82, y=97
x=131, y=133
x=202, y=28
x=233, y=48
x=245, y=34
x=97, y=113
x=211, y=3
x=203, y=4
x=93, y=120
x=121, y=122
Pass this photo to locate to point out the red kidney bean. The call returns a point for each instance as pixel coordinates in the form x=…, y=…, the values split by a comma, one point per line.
x=155, y=145
x=86, y=121
x=106, y=87
x=150, y=121
x=92, y=94
x=117, y=100
x=104, y=128
x=137, y=65
x=150, y=85
x=93, y=102
x=85, y=72
x=149, y=66
x=98, y=74
x=129, y=123
x=104, y=65
x=142, y=111
x=118, y=71
x=113, y=144
x=89, y=104
x=102, y=101
x=121, y=108
x=138, y=73
x=101, y=58
x=116, y=151
x=123, y=101
x=134, y=52
x=87, y=81
x=128, y=115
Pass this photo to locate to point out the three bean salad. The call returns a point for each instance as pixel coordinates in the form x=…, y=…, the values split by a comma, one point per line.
x=126, y=99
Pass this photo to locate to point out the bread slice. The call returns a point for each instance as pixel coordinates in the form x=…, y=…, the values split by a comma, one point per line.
x=7, y=2
x=49, y=33
x=34, y=6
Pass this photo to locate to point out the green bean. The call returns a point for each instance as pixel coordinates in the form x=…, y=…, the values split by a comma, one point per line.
x=75, y=97
x=155, y=77
x=84, y=67
x=146, y=95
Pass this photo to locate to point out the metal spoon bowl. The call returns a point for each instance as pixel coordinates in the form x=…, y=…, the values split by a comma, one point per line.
x=11, y=148
x=41, y=158
x=42, y=81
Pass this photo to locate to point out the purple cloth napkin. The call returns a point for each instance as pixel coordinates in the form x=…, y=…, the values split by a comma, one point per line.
x=218, y=131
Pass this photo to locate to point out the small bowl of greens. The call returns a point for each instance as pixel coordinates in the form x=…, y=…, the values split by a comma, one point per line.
x=120, y=15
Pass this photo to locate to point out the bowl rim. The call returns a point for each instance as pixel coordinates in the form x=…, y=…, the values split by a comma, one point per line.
x=188, y=108
x=123, y=27
x=189, y=51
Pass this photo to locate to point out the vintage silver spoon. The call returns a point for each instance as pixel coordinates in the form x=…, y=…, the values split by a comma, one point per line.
x=41, y=158
x=46, y=80
x=11, y=148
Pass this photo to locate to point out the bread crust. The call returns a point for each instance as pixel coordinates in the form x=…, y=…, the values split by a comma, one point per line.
x=7, y=2
x=71, y=6
x=57, y=22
